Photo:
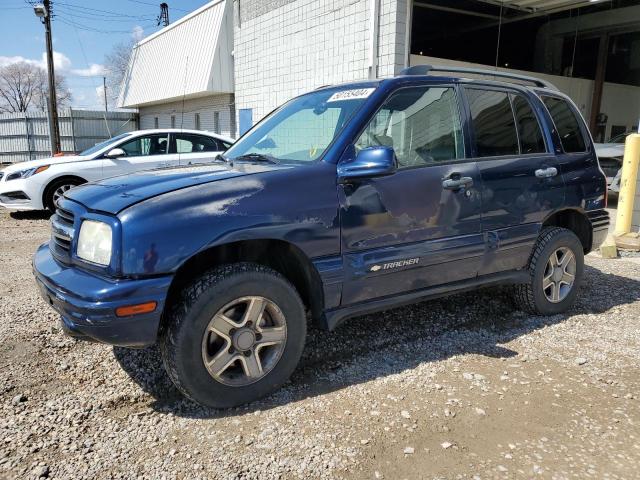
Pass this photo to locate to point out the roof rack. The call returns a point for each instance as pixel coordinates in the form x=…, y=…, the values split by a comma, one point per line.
x=426, y=69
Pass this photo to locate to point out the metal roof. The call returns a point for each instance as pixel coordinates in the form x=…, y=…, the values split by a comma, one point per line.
x=189, y=58
x=542, y=6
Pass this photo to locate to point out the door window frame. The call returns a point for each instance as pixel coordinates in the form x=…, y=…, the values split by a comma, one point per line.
x=130, y=139
x=586, y=134
x=508, y=91
x=462, y=117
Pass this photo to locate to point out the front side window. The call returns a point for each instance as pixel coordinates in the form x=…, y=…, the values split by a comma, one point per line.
x=146, y=145
x=421, y=124
x=301, y=130
x=99, y=146
x=189, y=143
x=531, y=140
x=493, y=123
x=566, y=124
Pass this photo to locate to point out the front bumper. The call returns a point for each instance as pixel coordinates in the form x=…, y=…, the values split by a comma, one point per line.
x=87, y=303
x=28, y=188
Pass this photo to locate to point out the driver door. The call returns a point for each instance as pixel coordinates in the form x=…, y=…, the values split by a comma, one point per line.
x=144, y=152
x=419, y=227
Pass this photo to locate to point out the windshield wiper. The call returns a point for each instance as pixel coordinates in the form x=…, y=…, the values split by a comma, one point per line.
x=256, y=157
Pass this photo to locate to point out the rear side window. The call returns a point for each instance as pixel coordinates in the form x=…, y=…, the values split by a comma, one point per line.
x=566, y=123
x=493, y=123
x=531, y=140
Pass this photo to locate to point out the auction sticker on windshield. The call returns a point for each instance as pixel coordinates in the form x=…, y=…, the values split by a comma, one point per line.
x=351, y=94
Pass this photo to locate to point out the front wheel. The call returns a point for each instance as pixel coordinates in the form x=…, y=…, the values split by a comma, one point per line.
x=555, y=267
x=236, y=335
x=57, y=189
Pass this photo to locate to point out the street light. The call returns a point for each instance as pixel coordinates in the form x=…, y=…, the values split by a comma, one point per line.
x=43, y=12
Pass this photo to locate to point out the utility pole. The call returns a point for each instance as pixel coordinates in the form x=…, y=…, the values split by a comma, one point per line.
x=104, y=91
x=43, y=11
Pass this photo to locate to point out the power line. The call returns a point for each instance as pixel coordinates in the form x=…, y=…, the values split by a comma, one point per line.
x=107, y=12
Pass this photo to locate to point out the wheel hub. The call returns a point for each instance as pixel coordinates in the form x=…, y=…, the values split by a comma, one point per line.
x=557, y=275
x=244, y=339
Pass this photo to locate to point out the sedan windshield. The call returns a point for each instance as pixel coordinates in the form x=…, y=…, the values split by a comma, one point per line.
x=302, y=129
x=99, y=146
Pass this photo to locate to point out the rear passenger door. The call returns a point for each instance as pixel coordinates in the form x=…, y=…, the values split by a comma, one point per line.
x=194, y=148
x=419, y=227
x=521, y=181
x=585, y=184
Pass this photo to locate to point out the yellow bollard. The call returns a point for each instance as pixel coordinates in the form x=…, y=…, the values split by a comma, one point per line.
x=627, y=195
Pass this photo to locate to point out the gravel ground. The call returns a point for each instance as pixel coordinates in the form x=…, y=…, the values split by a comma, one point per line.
x=464, y=387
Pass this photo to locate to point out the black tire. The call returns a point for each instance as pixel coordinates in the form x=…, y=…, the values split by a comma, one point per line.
x=531, y=296
x=188, y=320
x=50, y=192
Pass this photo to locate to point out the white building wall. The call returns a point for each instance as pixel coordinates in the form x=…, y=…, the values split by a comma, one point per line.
x=283, y=48
x=185, y=116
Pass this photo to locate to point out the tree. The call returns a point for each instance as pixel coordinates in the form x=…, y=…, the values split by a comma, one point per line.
x=24, y=86
x=116, y=63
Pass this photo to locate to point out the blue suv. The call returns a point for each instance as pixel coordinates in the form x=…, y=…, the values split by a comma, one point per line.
x=346, y=200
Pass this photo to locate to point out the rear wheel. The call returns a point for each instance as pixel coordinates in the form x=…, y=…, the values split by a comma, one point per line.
x=555, y=267
x=236, y=335
x=57, y=189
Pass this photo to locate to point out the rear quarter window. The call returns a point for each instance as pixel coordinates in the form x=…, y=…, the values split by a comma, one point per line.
x=566, y=123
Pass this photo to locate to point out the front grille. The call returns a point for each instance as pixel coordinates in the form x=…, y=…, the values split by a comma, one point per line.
x=65, y=216
x=62, y=230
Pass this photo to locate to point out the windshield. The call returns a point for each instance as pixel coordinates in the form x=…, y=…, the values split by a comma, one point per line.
x=99, y=146
x=619, y=138
x=302, y=129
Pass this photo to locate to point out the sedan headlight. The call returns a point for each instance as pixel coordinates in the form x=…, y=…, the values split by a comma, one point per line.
x=26, y=173
x=94, y=242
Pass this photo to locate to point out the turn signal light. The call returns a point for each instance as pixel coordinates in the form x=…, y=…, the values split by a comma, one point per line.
x=138, y=309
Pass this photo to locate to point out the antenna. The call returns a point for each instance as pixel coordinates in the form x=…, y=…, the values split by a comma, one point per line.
x=163, y=18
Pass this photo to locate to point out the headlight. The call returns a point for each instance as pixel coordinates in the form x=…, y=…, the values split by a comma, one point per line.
x=94, y=242
x=26, y=173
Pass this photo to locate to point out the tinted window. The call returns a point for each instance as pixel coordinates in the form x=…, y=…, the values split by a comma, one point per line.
x=146, y=145
x=566, y=124
x=493, y=123
x=421, y=124
x=188, y=143
x=531, y=140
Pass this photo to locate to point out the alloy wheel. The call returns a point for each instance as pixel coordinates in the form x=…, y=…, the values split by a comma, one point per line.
x=60, y=191
x=244, y=341
x=559, y=275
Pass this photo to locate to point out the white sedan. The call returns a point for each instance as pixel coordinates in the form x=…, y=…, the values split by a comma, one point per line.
x=37, y=184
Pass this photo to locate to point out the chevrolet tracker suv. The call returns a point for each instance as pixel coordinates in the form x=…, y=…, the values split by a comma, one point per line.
x=346, y=200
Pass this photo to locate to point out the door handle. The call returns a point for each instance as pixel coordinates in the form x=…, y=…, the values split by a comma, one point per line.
x=455, y=182
x=546, y=172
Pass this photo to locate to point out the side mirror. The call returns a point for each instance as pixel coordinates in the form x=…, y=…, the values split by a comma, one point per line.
x=369, y=163
x=115, y=153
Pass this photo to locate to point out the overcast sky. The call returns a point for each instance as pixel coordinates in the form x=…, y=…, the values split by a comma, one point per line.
x=83, y=32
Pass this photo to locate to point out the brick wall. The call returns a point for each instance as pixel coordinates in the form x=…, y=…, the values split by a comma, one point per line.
x=283, y=48
x=206, y=107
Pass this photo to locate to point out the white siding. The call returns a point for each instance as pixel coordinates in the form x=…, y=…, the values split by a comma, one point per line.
x=205, y=106
x=190, y=57
x=298, y=45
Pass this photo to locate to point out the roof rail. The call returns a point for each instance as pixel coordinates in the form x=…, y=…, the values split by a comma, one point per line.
x=426, y=69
